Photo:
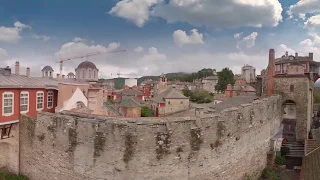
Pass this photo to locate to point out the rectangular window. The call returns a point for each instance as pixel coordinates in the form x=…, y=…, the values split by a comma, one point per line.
x=39, y=100
x=50, y=99
x=7, y=103
x=24, y=102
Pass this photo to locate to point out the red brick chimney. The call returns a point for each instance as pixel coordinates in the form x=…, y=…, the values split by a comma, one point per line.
x=28, y=72
x=270, y=73
x=17, y=69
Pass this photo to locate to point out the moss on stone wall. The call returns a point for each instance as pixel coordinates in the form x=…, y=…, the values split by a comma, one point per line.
x=163, y=143
x=130, y=141
x=72, y=140
x=195, y=139
x=41, y=137
x=99, y=143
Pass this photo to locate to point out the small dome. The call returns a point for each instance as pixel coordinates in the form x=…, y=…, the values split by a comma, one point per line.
x=47, y=68
x=70, y=74
x=86, y=65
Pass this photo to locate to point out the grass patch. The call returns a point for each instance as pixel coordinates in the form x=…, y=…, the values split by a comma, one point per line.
x=9, y=176
x=270, y=174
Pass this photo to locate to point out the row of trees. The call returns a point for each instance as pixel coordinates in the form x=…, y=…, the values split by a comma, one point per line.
x=199, y=96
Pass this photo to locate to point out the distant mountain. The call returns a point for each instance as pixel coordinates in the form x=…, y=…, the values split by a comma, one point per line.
x=170, y=76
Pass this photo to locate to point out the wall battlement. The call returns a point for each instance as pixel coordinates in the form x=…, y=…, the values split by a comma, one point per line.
x=226, y=145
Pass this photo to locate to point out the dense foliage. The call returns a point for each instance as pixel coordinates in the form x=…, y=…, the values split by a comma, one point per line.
x=186, y=77
x=9, y=176
x=225, y=77
x=316, y=95
x=199, y=96
x=146, y=111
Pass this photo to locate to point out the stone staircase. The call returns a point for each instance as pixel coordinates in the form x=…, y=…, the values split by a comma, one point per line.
x=296, y=149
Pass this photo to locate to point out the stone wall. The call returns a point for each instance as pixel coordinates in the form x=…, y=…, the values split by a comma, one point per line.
x=224, y=146
x=310, y=165
x=9, y=151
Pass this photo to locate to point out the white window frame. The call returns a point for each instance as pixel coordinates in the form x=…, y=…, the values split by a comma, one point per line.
x=12, y=105
x=48, y=95
x=37, y=96
x=27, y=97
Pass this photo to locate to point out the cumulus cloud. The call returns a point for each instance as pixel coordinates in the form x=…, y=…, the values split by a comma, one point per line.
x=3, y=53
x=12, y=34
x=313, y=23
x=221, y=14
x=43, y=37
x=138, y=49
x=181, y=38
x=211, y=13
x=303, y=7
x=78, y=39
x=136, y=11
x=284, y=48
x=153, y=55
x=248, y=41
x=237, y=35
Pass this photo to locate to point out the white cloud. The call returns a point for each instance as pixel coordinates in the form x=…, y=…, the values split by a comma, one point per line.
x=21, y=25
x=237, y=35
x=284, y=48
x=303, y=7
x=181, y=38
x=78, y=39
x=221, y=14
x=43, y=37
x=313, y=23
x=12, y=34
x=136, y=11
x=3, y=53
x=211, y=13
x=248, y=41
x=153, y=55
x=138, y=49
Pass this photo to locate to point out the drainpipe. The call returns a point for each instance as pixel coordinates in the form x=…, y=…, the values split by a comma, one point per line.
x=19, y=143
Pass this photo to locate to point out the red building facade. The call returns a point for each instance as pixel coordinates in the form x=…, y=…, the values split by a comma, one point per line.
x=21, y=94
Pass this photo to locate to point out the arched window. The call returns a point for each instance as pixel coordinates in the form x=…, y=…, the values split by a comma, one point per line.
x=90, y=73
x=83, y=73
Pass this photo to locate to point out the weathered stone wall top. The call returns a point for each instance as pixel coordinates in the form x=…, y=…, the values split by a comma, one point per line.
x=213, y=146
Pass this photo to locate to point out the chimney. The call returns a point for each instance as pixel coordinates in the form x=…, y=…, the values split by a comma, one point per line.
x=296, y=55
x=63, y=76
x=311, y=55
x=58, y=76
x=17, y=68
x=259, y=86
x=28, y=72
x=271, y=72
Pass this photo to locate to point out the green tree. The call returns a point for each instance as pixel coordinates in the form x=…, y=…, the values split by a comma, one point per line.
x=187, y=92
x=316, y=95
x=205, y=72
x=146, y=111
x=225, y=77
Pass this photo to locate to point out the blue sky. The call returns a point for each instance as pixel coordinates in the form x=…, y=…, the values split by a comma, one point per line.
x=175, y=35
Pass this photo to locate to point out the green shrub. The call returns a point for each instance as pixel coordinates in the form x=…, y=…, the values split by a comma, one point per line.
x=9, y=176
x=146, y=111
x=271, y=174
x=280, y=160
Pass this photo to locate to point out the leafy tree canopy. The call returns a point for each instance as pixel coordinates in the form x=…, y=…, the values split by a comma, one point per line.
x=146, y=111
x=225, y=77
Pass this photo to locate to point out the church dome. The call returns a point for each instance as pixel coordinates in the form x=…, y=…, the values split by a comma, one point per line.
x=70, y=74
x=86, y=65
x=47, y=68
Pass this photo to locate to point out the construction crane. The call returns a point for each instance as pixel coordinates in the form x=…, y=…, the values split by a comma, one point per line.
x=118, y=74
x=85, y=55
